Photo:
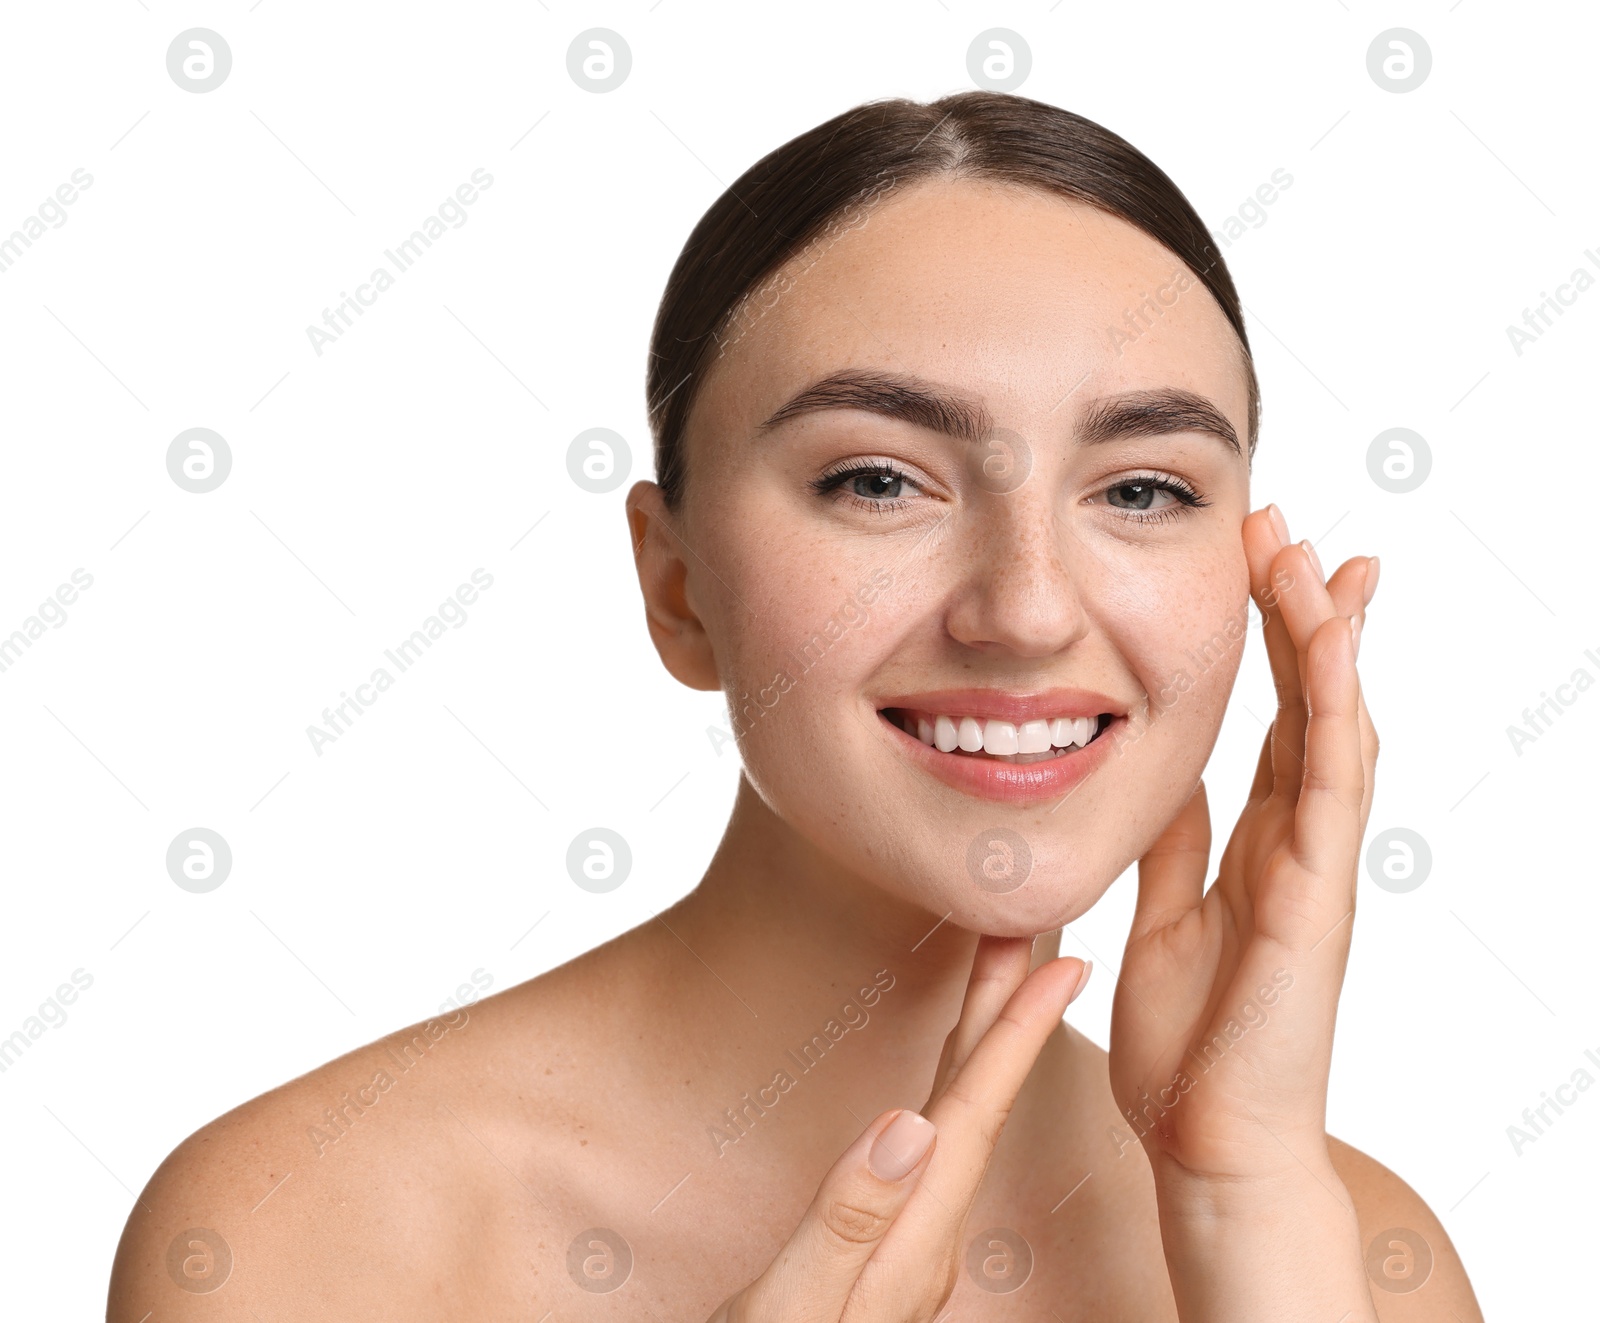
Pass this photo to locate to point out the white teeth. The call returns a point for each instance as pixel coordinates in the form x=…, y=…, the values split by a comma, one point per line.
x=1033, y=737
x=1004, y=739
x=999, y=737
x=1024, y=741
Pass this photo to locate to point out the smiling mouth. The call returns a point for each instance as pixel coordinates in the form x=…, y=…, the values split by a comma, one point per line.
x=1000, y=741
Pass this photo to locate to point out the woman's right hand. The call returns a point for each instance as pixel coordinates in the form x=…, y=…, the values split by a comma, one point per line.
x=883, y=1237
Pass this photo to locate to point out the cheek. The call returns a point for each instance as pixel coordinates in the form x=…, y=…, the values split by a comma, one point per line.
x=787, y=603
x=1181, y=623
x=796, y=625
x=806, y=741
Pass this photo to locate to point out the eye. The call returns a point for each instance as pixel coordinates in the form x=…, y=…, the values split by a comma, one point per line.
x=1138, y=496
x=1151, y=498
x=876, y=485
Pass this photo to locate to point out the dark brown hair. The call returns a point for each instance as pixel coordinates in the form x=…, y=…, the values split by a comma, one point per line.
x=809, y=188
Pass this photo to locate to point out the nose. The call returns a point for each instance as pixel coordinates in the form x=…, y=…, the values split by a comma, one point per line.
x=1017, y=593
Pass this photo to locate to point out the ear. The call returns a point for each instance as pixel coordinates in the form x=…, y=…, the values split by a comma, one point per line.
x=659, y=557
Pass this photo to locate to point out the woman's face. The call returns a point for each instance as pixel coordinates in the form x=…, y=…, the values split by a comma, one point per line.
x=1010, y=508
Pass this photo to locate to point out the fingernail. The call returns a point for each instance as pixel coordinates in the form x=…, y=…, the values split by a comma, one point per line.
x=1279, y=524
x=900, y=1147
x=1355, y=636
x=1372, y=581
x=1315, y=560
x=1083, y=982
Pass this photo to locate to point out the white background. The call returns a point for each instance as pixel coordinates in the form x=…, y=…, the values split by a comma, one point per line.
x=367, y=482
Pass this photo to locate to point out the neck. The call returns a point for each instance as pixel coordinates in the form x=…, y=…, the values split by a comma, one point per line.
x=793, y=962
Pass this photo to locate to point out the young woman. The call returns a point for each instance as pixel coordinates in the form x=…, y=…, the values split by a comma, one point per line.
x=954, y=412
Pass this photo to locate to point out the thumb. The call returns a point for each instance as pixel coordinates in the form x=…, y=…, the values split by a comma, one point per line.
x=812, y=1276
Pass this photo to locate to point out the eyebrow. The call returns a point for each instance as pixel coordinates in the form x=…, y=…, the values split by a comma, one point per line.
x=1107, y=418
x=895, y=396
x=1153, y=412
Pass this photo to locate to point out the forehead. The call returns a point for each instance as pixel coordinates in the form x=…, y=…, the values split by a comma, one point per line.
x=1024, y=298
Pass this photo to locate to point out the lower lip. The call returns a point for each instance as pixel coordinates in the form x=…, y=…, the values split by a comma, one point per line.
x=1011, y=783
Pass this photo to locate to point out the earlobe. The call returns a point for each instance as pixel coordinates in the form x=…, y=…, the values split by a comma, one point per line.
x=675, y=628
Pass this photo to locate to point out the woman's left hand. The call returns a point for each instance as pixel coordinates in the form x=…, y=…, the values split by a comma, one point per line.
x=1223, y=1017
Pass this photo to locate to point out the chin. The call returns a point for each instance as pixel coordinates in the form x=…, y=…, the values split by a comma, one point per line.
x=1001, y=886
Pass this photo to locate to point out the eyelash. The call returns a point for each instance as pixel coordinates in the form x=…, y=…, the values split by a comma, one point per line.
x=1185, y=497
x=833, y=479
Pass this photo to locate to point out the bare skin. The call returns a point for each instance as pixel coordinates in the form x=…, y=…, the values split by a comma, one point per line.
x=592, y=1096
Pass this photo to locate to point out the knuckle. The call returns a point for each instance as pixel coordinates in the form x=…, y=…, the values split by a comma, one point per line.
x=852, y=1225
x=991, y=1123
x=988, y=1115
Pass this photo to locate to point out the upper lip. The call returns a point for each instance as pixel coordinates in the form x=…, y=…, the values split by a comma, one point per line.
x=1015, y=706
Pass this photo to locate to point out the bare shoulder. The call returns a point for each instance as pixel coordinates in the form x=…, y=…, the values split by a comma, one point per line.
x=1416, y=1273
x=394, y=1182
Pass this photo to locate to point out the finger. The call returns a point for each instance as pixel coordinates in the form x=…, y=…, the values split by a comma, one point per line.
x=989, y=1080
x=1310, y=600
x=998, y=967
x=1347, y=587
x=1347, y=592
x=1172, y=872
x=1263, y=533
x=1276, y=569
x=970, y=1115
x=1351, y=589
x=1286, y=582
x=1305, y=607
x=1300, y=607
x=812, y=1276
x=1327, y=829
